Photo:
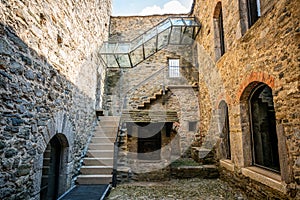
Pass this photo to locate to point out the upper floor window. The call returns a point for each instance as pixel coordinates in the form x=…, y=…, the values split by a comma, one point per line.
x=219, y=31
x=174, y=68
x=253, y=11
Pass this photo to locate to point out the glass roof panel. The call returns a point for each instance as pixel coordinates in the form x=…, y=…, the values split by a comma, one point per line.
x=136, y=42
x=187, y=35
x=190, y=22
x=150, y=34
x=163, y=26
x=108, y=47
x=177, y=22
x=110, y=61
x=137, y=56
x=123, y=60
x=150, y=47
x=122, y=48
x=175, y=35
x=163, y=39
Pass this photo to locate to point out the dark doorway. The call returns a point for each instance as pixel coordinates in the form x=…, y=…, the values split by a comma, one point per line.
x=263, y=127
x=51, y=170
x=149, y=141
x=225, y=133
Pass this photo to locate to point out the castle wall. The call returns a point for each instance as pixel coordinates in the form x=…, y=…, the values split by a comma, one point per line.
x=136, y=85
x=266, y=52
x=51, y=82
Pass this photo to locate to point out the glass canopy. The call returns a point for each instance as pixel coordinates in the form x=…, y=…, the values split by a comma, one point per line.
x=174, y=30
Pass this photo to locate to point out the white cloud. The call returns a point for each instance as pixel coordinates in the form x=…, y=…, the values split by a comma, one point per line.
x=172, y=7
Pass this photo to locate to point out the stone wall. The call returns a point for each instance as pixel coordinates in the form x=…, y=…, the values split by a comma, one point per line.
x=145, y=81
x=267, y=52
x=49, y=74
x=121, y=28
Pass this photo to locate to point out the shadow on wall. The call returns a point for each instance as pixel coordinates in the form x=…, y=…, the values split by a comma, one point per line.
x=38, y=104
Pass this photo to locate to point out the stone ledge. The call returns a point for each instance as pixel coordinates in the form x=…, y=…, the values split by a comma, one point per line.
x=265, y=177
x=227, y=164
x=202, y=171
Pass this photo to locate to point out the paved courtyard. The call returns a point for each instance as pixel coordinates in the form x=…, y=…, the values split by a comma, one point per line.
x=191, y=189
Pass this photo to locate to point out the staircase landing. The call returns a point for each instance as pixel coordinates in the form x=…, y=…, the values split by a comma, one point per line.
x=90, y=192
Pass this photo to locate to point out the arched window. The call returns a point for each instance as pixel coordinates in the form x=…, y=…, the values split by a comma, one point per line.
x=253, y=11
x=263, y=128
x=219, y=31
x=224, y=130
x=250, y=11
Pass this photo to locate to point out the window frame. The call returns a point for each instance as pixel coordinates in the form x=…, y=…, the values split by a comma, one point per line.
x=173, y=70
x=253, y=142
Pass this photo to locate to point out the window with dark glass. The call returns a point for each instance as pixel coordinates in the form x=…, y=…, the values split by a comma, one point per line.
x=253, y=11
x=263, y=128
x=219, y=31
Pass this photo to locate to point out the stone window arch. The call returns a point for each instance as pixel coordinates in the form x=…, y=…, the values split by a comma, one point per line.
x=250, y=12
x=225, y=150
x=259, y=127
x=218, y=31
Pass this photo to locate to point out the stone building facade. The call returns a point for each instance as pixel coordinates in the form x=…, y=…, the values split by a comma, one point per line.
x=257, y=50
x=148, y=86
x=238, y=93
x=51, y=81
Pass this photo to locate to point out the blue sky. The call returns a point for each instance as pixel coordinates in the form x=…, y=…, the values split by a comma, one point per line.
x=148, y=7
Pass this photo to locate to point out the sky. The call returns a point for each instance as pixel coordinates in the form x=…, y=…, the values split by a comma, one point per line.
x=150, y=7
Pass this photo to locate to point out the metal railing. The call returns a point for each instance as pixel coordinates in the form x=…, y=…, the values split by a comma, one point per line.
x=173, y=30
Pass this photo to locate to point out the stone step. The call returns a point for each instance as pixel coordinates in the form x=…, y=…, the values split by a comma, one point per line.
x=94, y=179
x=96, y=170
x=98, y=161
x=105, y=134
x=110, y=118
x=108, y=123
x=202, y=171
x=106, y=129
x=103, y=139
x=100, y=153
x=101, y=146
x=46, y=161
x=46, y=169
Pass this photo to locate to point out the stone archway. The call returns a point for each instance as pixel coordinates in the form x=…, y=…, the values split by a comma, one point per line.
x=54, y=168
x=60, y=128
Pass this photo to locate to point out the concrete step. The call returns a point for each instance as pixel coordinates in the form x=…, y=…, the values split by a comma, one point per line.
x=202, y=171
x=100, y=153
x=98, y=161
x=94, y=179
x=108, y=123
x=106, y=128
x=46, y=161
x=96, y=170
x=105, y=134
x=110, y=118
x=103, y=139
x=101, y=146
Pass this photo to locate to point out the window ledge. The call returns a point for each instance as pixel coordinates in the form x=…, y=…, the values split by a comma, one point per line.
x=265, y=177
x=227, y=164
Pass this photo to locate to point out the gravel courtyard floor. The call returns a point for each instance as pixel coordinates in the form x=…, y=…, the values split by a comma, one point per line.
x=187, y=189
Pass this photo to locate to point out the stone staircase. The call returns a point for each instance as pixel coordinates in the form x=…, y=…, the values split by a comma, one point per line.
x=154, y=96
x=98, y=163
